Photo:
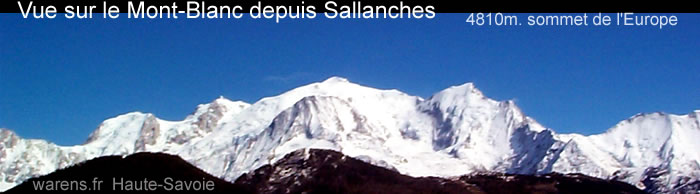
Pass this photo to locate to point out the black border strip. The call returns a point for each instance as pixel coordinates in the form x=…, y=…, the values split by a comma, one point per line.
x=441, y=6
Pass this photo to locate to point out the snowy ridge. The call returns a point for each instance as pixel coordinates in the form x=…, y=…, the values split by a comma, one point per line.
x=656, y=152
x=454, y=132
x=21, y=159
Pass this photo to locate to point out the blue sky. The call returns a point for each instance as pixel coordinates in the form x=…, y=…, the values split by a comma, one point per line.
x=60, y=78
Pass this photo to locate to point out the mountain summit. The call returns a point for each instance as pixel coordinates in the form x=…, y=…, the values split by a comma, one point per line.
x=454, y=132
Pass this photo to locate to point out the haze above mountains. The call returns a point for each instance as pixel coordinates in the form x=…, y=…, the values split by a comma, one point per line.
x=456, y=131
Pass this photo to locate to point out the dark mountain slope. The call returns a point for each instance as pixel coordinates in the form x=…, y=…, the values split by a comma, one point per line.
x=326, y=171
x=549, y=183
x=302, y=171
x=137, y=173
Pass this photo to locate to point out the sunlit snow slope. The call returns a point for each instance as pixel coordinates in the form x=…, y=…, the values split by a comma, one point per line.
x=456, y=131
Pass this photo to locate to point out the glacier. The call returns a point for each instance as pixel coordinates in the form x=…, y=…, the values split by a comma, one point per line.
x=454, y=132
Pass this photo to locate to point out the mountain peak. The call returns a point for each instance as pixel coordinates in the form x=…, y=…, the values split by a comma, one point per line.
x=230, y=103
x=460, y=94
x=5, y=131
x=466, y=88
x=219, y=106
x=7, y=135
x=336, y=79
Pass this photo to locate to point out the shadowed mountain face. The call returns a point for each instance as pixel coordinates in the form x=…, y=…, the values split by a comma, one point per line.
x=326, y=171
x=549, y=183
x=136, y=173
x=302, y=171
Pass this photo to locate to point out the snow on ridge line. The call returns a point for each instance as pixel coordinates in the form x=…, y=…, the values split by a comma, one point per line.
x=338, y=79
x=641, y=117
x=335, y=79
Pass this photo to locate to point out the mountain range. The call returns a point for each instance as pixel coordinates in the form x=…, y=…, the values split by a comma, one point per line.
x=454, y=132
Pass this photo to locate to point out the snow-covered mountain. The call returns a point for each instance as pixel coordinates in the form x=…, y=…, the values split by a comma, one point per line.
x=657, y=152
x=456, y=131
